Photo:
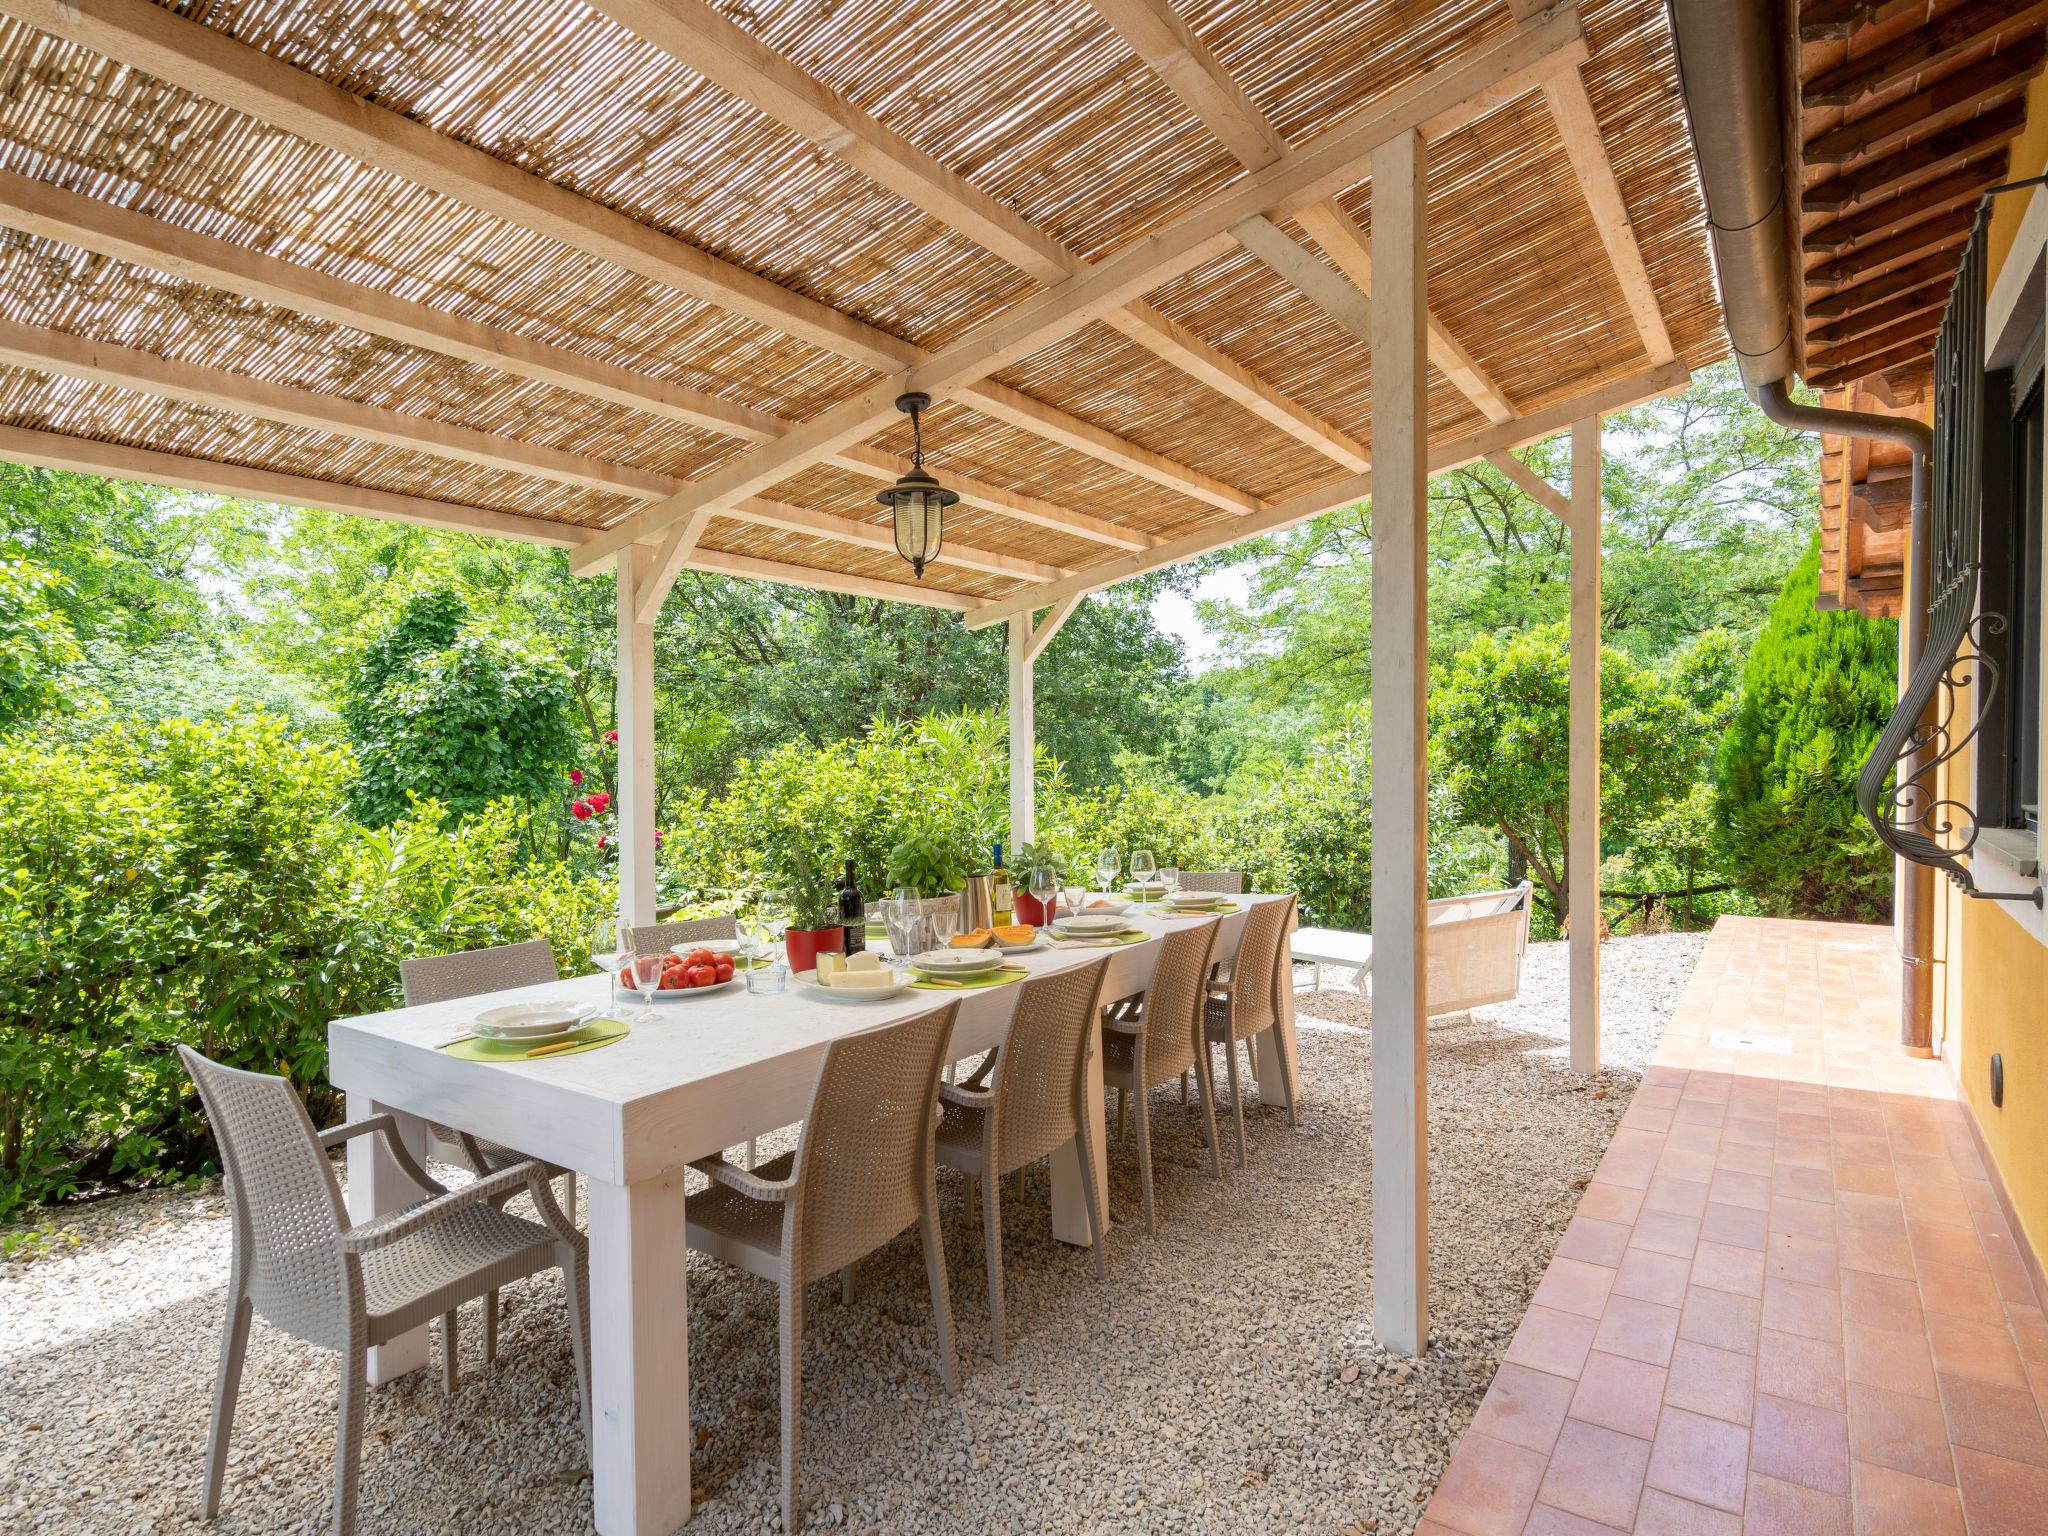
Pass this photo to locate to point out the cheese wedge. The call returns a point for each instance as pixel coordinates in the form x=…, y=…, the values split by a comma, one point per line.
x=852, y=978
x=830, y=963
x=863, y=961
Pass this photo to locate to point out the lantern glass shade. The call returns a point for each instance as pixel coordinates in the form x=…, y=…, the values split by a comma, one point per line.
x=919, y=504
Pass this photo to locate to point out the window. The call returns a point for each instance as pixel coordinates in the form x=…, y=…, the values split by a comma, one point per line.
x=2009, y=769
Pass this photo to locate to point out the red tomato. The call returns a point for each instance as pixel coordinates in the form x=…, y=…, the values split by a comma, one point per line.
x=703, y=976
x=699, y=957
x=724, y=971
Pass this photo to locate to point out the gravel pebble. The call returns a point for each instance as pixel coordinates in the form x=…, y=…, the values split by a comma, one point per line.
x=1223, y=1379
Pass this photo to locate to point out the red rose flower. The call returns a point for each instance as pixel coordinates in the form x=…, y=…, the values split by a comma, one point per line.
x=657, y=835
x=576, y=776
x=600, y=800
x=580, y=810
x=611, y=735
x=602, y=843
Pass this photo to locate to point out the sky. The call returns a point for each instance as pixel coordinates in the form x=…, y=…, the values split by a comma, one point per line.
x=1176, y=615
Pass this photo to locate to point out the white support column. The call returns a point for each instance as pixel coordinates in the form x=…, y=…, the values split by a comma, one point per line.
x=1400, y=675
x=1583, y=823
x=636, y=741
x=1023, y=736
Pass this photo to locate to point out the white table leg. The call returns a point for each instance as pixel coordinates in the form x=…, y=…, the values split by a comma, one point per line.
x=377, y=1186
x=639, y=1356
x=1069, y=1204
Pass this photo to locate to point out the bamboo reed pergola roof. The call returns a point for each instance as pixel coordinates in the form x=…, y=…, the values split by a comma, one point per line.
x=647, y=274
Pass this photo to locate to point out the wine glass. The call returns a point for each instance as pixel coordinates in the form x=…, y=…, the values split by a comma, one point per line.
x=1107, y=863
x=1077, y=897
x=1044, y=886
x=1142, y=866
x=606, y=952
x=1169, y=877
x=945, y=921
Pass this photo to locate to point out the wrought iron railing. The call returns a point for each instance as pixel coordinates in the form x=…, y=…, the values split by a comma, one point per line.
x=1954, y=684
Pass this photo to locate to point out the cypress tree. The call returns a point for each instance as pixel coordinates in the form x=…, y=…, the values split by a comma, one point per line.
x=1816, y=691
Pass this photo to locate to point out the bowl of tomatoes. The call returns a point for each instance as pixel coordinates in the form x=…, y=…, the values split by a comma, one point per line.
x=697, y=973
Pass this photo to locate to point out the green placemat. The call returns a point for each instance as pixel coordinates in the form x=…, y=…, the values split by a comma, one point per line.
x=588, y=1037
x=965, y=983
x=1103, y=941
x=1221, y=909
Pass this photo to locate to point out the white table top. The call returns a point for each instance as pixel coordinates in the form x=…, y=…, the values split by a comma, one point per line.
x=710, y=1074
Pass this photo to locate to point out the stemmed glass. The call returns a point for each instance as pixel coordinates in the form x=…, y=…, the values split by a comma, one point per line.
x=1044, y=886
x=944, y=920
x=1107, y=863
x=1142, y=866
x=765, y=970
x=903, y=916
x=606, y=953
x=1169, y=877
x=1077, y=897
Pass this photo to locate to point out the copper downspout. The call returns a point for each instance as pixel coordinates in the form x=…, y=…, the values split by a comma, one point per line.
x=1729, y=72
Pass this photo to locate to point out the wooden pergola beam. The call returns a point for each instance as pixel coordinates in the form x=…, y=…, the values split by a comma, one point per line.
x=700, y=37
x=1305, y=176
x=1618, y=395
x=47, y=212
x=1837, y=364
x=1571, y=108
x=1345, y=247
x=209, y=477
x=198, y=58
x=1930, y=234
x=1863, y=367
x=817, y=580
x=1533, y=485
x=1187, y=68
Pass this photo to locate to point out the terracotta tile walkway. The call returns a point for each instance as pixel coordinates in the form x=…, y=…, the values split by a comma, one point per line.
x=1789, y=1300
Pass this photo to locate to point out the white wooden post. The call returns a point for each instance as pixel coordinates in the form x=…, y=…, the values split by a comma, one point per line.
x=1023, y=736
x=1583, y=823
x=1400, y=671
x=636, y=741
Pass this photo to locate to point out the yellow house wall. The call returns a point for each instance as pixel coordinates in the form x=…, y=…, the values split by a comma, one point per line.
x=1991, y=988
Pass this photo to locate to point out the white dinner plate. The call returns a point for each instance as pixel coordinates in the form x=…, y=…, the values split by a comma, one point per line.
x=530, y=1021
x=681, y=994
x=715, y=946
x=957, y=962
x=1193, y=903
x=1091, y=923
x=808, y=980
x=1036, y=941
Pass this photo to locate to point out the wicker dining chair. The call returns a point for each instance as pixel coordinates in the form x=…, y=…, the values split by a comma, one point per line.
x=1162, y=1038
x=692, y=930
x=471, y=973
x=300, y=1264
x=1035, y=1102
x=1247, y=1003
x=1224, y=882
x=862, y=1171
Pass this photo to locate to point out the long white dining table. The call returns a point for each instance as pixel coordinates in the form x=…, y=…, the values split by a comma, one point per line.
x=707, y=1075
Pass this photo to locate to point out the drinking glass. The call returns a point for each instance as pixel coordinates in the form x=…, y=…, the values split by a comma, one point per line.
x=1169, y=876
x=945, y=921
x=643, y=972
x=1044, y=886
x=605, y=951
x=1142, y=866
x=1107, y=863
x=1077, y=897
x=768, y=975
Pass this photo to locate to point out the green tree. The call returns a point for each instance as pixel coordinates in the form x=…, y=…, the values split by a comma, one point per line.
x=444, y=708
x=1816, y=691
x=36, y=643
x=1500, y=737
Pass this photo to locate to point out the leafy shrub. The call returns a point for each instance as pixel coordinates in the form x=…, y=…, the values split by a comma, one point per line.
x=36, y=642
x=1816, y=692
x=202, y=882
x=442, y=708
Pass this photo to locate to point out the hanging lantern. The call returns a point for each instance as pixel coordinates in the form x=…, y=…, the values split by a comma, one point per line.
x=918, y=501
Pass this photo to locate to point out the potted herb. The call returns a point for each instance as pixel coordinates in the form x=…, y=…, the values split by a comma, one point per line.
x=929, y=865
x=813, y=915
x=1027, y=907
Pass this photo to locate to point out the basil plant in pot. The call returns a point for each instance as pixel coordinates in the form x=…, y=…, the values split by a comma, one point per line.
x=933, y=866
x=813, y=907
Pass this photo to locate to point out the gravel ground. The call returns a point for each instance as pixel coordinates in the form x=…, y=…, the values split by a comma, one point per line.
x=1223, y=1379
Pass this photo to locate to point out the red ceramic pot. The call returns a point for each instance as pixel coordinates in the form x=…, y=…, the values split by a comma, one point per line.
x=806, y=944
x=1027, y=908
